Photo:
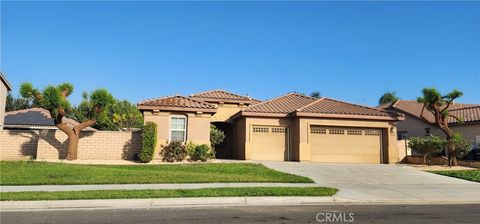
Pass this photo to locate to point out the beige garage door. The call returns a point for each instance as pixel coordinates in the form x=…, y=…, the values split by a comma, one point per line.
x=269, y=143
x=345, y=145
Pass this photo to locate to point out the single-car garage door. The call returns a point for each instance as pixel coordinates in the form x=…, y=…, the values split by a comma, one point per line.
x=345, y=144
x=269, y=143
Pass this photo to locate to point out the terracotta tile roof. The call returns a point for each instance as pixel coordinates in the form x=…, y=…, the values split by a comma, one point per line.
x=467, y=114
x=35, y=118
x=281, y=105
x=222, y=96
x=176, y=103
x=414, y=108
x=327, y=106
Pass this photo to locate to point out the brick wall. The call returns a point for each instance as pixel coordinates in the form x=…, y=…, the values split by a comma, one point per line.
x=52, y=144
x=18, y=145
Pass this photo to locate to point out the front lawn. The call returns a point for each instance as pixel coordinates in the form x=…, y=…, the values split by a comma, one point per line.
x=472, y=175
x=176, y=193
x=42, y=173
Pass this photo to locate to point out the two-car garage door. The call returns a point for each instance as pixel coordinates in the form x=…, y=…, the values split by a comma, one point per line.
x=345, y=144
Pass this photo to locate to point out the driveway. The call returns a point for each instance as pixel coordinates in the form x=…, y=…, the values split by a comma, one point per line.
x=384, y=183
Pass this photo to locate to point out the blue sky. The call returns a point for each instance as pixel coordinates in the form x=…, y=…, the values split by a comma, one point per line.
x=352, y=51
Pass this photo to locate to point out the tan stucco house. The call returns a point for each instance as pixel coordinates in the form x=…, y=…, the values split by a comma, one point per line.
x=5, y=87
x=292, y=127
x=413, y=125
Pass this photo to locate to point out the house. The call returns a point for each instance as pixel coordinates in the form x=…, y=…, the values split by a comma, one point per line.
x=5, y=87
x=292, y=127
x=35, y=119
x=414, y=125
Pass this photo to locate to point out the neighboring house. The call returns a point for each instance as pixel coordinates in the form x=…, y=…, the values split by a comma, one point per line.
x=293, y=127
x=36, y=119
x=414, y=125
x=5, y=87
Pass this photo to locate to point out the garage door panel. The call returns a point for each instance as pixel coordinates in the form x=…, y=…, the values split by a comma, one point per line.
x=345, y=144
x=269, y=143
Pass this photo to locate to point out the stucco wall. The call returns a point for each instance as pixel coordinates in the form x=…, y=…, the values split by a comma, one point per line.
x=416, y=127
x=52, y=144
x=225, y=111
x=3, y=97
x=471, y=132
x=198, y=127
x=239, y=138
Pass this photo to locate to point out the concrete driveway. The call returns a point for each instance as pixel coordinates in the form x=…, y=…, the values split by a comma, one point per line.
x=384, y=183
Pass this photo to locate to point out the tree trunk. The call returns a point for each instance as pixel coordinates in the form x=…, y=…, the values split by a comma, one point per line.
x=73, y=136
x=72, y=146
x=452, y=155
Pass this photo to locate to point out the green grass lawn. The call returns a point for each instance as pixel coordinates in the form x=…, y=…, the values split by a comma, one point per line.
x=177, y=193
x=472, y=175
x=42, y=173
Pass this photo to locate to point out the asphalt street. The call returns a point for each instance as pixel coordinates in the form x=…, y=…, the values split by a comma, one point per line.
x=468, y=213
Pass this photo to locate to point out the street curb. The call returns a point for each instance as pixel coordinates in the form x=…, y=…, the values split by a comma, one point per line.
x=159, y=203
x=6, y=206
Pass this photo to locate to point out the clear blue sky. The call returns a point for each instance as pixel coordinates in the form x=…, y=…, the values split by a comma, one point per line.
x=348, y=51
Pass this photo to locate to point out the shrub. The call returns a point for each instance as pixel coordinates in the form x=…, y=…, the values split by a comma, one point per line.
x=190, y=148
x=427, y=145
x=203, y=153
x=174, y=151
x=462, y=146
x=149, y=141
x=217, y=136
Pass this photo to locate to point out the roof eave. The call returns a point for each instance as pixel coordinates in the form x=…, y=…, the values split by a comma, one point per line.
x=222, y=100
x=176, y=109
x=349, y=116
x=258, y=114
x=5, y=81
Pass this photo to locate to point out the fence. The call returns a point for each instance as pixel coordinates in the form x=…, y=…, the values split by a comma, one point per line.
x=52, y=144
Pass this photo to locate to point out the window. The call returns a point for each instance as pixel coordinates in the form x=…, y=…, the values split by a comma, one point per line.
x=278, y=130
x=178, y=128
x=427, y=131
x=260, y=130
x=354, y=132
x=336, y=131
x=401, y=135
x=318, y=131
x=372, y=132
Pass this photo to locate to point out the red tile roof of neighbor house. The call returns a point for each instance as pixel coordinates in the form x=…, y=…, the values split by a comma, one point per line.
x=222, y=96
x=176, y=103
x=469, y=112
x=37, y=118
x=327, y=107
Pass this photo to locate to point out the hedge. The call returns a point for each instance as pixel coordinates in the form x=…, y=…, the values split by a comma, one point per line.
x=149, y=141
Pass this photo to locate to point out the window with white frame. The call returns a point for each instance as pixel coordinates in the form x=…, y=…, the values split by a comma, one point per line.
x=178, y=128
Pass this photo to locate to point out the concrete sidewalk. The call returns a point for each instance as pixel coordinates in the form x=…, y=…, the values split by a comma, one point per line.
x=146, y=186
